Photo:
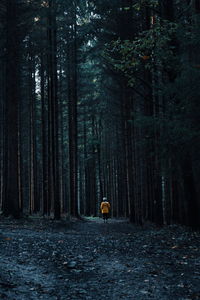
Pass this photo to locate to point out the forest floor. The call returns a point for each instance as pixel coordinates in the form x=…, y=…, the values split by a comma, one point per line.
x=59, y=260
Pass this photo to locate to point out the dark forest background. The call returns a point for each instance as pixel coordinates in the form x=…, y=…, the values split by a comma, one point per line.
x=100, y=98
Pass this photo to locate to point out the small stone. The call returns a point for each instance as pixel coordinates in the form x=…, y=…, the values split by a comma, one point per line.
x=72, y=264
x=77, y=271
x=82, y=291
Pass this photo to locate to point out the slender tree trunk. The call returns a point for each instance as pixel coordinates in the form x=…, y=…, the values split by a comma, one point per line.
x=44, y=115
x=11, y=196
x=54, y=176
x=72, y=110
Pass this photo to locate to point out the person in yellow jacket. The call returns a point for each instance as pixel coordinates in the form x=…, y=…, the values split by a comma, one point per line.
x=105, y=209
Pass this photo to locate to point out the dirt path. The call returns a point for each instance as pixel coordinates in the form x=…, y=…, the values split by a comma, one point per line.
x=91, y=260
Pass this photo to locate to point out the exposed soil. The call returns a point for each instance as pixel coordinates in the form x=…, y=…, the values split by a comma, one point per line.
x=58, y=260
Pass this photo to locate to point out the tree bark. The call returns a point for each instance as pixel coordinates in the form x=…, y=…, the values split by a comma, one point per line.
x=11, y=196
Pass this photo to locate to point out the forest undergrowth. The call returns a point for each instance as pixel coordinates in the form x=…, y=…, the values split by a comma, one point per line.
x=60, y=260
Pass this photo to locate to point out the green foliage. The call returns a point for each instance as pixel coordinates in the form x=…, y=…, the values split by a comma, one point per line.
x=153, y=47
x=145, y=3
x=163, y=51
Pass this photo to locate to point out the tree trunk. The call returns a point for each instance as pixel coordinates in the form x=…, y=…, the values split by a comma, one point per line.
x=72, y=113
x=11, y=196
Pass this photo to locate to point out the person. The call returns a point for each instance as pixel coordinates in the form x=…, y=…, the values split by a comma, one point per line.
x=105, y=209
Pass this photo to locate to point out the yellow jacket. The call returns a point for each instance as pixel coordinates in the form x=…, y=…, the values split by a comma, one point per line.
x=105, y=207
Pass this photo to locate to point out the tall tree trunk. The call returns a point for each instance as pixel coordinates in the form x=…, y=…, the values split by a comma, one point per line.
x=11, y=196
x=72, y=112
x=44, y=116
x=54, y=174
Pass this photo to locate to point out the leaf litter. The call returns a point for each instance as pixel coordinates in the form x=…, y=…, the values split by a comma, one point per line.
x=91, y=260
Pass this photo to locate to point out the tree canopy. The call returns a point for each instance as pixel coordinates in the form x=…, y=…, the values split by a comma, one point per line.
x=100, y=98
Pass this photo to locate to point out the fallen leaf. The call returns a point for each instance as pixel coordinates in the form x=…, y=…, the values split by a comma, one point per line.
x=174, y=247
